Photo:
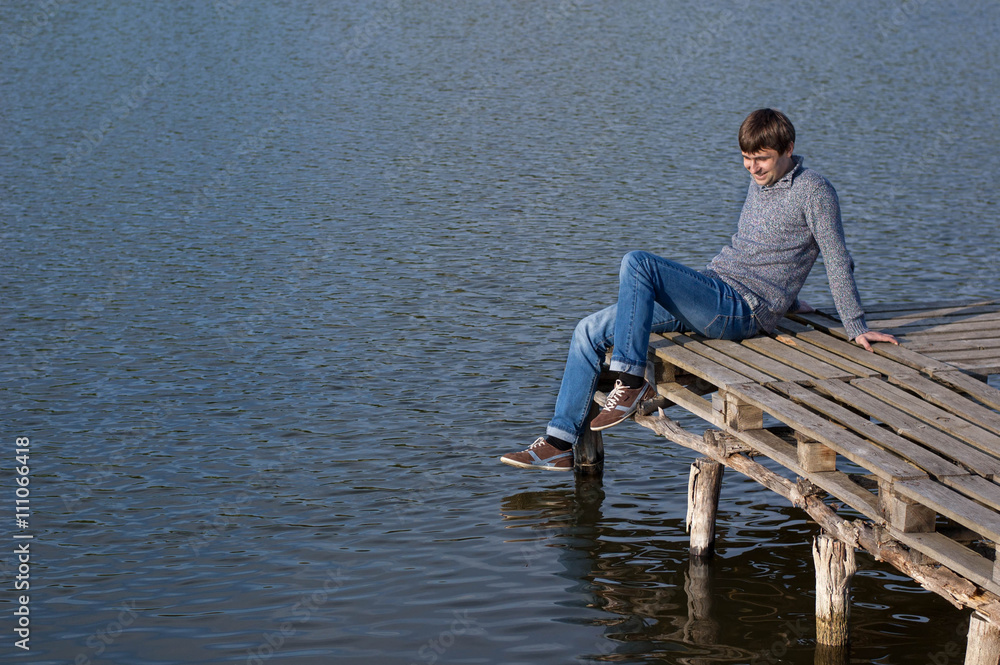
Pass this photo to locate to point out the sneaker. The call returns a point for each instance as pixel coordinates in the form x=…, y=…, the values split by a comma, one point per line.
x=622, y=402
x=541, y=455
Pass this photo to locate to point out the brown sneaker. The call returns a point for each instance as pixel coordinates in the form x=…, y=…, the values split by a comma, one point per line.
x=541, y=455
x=622, y=402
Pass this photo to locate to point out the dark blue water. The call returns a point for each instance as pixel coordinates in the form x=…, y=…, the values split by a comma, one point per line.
x=282, y=280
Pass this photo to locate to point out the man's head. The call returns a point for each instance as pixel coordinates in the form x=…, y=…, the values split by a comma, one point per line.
x=767, y=139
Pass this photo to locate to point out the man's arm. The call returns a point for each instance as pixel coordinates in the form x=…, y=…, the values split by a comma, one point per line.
x=823, y=217
x=800, y=306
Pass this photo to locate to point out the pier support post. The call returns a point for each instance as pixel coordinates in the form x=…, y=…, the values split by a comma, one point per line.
x=704, y=485
x=984, y=642
x=835, y=566
x=588, y=453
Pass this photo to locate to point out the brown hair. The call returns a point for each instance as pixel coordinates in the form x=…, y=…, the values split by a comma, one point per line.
x=766, y=128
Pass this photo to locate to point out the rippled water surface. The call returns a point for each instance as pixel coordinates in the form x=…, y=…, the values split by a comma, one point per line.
x=282, y=280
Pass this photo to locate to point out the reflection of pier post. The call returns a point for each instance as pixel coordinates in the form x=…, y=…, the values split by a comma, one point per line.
x=704, y=484
x=700, y=628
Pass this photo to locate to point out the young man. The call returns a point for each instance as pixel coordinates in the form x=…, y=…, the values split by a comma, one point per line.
x=791, y=215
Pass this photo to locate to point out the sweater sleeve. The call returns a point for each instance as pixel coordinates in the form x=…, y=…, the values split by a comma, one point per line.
x=823, y=218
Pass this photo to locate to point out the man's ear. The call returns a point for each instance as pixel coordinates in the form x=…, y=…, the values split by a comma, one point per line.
x=791, y=147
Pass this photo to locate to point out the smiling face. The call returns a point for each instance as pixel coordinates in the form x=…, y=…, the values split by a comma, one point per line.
x=768, y=166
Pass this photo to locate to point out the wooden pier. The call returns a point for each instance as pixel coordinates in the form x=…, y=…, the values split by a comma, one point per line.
x=895, y=452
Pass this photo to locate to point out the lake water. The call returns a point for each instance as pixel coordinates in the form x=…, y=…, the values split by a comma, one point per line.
x=282, y=280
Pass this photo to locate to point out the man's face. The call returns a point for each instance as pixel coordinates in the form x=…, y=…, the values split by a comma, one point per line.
x=768, y=166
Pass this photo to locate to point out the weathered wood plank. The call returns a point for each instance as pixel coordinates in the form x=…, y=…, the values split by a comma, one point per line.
x=938, y=394
x=690, y=361
x=952, y=505
x=984, y=325
x=875, y=459
x=795, y=358
x=836, y=483
x=956, y=311
x=852, y=352
x=981, y=368
x=897, y=353
x=947, y=318
x=926, y=459
x=707, y=349
x=828, y=357
x=953, y=555
x=967, y=355
x=879, y=308
x=977, y=343
x=914, y=428
x=747, y=356
x=687, y=399
x=932, y=415
x=976, y=487
x=961, y=381
x=917, y=361
x=931, y=336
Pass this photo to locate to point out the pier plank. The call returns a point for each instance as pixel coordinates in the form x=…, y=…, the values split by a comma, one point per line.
x=718, y=355
x=700, y=366
x=927, y=460
x=938, y=394
x=852, y=352
x=911, y=427
x=929, y=337
x=952, y=505
x=975, y=343
x=955, y=556
x=828, y=357
x=981, y=324
x=875, y=459
x=930, y=414
x=947, y=318
x=780, y=371
x=976, y=389
x=795, y=358
x=932, y=305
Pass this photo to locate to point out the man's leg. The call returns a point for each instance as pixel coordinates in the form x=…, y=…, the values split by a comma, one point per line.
x=593, y=336
x=700, y=303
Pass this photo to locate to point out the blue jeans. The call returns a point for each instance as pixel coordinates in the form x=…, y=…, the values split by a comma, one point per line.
x=654, y=295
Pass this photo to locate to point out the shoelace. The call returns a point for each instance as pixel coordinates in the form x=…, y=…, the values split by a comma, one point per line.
x=537, y=444
x=616, y=394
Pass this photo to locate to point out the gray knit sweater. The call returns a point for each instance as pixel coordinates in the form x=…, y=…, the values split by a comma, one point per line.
x=782, y=229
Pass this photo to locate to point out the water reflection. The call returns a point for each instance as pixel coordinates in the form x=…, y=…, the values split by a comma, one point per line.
x=655, y=601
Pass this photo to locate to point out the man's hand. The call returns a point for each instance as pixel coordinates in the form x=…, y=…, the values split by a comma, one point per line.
x=865, y=339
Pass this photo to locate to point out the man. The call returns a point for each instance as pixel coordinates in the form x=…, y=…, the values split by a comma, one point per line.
x=791, y=215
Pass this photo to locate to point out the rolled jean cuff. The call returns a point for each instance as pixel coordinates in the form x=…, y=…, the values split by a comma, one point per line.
x=561, y=434
x=628, y=367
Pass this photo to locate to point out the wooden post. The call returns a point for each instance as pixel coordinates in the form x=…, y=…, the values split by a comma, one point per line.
x=704, y=484
x=902, y=512
x=984, y=642
x=733, y=413
x=588, y=453
x=835, y=567
x=813, y=456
